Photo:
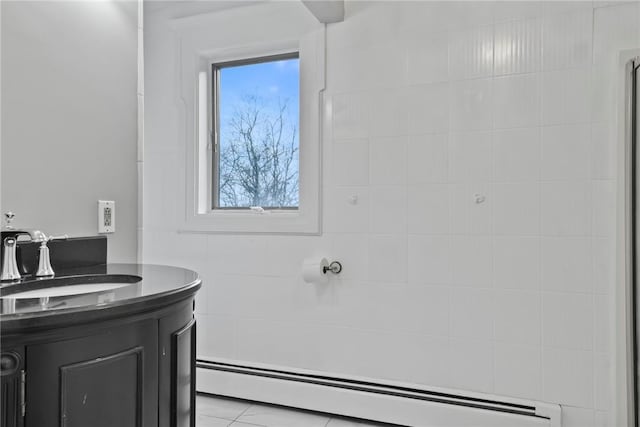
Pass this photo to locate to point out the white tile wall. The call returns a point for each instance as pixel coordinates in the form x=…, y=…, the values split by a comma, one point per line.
x=434, y=364
x=427, y=160
x=428, y=59
x=578, y=417
x=568, y=328
x=517, y=317
x=516, y=155
x=347, y=210
x=471, y=53
x=432, y=104
x=350, y=115
x=567, y=376
x=601, y=314
x=518, y=47
x=566, y=152
x=566, y=96
x=603, y=265
x=516, y=208
x=566, y=39
x=602, y=399
x=563, y=264
x=389, y=209
x=471, y=373
x=516, y=263
x=388, y=258
x=516, y=101
x=470, y=157
x=472, y=313
x=565, y=209
x=350, y=163
x=430, y=259
x=428, y=209
x=388, y=115
x=428, y=108
x=516, y=11
x=474, y=265
x=615, y=28
x=465, y=215
x=470, y=105
x=517, y=371
x=388, y=160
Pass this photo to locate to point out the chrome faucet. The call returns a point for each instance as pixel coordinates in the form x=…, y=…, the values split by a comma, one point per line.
x=10, y=270
x=44, y=260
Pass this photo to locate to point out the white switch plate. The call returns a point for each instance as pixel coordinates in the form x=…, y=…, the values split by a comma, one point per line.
x=106, y=216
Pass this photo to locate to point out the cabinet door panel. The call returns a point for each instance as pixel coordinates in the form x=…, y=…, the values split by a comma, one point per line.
x=88, y=390
x=170, y=327
x=106, y=379
x=183, y=377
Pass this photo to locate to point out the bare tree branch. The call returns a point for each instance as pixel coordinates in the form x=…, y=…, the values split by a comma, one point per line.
x=259, y=157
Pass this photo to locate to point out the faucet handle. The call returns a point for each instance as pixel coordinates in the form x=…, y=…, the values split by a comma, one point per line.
x=8, y=217
x=44, y=259
x=36, y=235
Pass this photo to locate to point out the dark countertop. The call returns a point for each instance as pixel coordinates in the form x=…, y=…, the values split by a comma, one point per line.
x=158, y=286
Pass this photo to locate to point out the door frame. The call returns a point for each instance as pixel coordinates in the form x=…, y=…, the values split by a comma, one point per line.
x=624, y=365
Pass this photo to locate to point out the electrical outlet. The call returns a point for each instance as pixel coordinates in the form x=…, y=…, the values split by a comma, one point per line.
x=106, y=216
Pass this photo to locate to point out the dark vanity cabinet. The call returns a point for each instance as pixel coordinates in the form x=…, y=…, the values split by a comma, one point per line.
x=136, y=370
x=105, y=379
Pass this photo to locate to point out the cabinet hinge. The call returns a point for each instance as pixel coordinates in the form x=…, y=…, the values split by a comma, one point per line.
x=23, y=387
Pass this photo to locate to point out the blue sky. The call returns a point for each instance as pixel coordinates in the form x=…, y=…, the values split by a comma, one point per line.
x=271, y=81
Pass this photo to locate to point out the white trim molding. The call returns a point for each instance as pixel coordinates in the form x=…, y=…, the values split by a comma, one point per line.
x=622, y=369
x=140, y=136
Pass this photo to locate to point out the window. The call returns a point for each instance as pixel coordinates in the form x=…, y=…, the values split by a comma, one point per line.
x=256, y=126
x=240, y=50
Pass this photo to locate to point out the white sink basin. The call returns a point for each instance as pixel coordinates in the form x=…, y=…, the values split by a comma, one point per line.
x=59, y=291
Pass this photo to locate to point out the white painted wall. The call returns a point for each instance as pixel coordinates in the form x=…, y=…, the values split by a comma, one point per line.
x=429, y=104
x=69, y=117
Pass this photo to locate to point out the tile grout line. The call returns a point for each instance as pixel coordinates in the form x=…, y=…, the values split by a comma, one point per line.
x=239, y=415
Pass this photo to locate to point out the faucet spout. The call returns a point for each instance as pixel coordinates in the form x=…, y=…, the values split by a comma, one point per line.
x=34, y=235
x=10, y=269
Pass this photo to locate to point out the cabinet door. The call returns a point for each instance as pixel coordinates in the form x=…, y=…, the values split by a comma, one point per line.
x=104, y=380
x=176, y=382
x=183, y=376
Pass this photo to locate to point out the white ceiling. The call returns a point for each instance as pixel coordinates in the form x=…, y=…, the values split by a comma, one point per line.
x=191, y=7
x=326, y=11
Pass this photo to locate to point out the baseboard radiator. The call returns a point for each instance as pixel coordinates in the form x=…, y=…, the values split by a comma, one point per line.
x=388, y=402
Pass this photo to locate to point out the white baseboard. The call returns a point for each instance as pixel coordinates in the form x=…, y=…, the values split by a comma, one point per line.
x=383, y=401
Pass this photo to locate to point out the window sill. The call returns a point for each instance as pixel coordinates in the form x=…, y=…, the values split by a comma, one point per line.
x=250, y=222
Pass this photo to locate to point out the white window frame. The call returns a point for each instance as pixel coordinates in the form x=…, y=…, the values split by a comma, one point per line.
x=196, y=96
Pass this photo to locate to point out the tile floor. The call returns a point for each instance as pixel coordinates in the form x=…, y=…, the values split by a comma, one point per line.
x=214, y=411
